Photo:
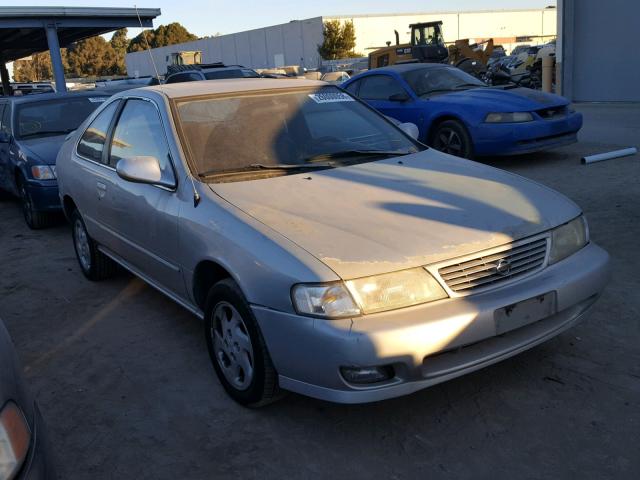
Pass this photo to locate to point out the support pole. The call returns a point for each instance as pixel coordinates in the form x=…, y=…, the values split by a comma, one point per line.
x=56, y=57
x=4, y=74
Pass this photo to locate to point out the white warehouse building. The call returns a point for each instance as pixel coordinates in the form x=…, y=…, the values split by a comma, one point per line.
x=296, y=42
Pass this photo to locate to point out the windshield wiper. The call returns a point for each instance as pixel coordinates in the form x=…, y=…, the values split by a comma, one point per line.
x=47, y=132
x=356, y=153
x=468, y=85
x=264, y=166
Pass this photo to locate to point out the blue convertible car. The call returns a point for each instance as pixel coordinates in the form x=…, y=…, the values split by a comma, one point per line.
x=32, y=130
x=460, y=115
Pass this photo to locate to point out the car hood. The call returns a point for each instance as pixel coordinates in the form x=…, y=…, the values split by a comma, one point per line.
x=504, y=100
x=384, y=216
x=44, y=149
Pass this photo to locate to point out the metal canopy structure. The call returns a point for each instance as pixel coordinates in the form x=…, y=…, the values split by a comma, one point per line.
x=28, y=30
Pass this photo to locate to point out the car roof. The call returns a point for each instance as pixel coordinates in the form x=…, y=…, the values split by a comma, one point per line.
x=41, y=97
x=210, y=87
x=408, y=67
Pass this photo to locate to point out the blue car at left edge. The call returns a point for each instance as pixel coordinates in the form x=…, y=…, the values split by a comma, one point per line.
x=32, y=130
x=460, y=115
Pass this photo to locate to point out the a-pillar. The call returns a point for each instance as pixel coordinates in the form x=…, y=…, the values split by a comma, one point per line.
x=4, y=75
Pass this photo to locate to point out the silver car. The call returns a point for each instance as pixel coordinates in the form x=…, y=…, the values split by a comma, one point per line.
x=327, y=251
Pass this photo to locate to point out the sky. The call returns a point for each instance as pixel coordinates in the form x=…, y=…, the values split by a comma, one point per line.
x=208, y=17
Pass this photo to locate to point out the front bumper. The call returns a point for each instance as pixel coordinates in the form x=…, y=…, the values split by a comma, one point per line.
x=519, y=138
x=44, y=195
x=426, y=344
x=39, y=463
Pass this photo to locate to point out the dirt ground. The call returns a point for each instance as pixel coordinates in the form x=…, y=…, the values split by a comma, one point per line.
x=125, y=384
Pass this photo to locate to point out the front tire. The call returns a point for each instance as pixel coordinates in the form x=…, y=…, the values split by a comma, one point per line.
x=35, y=220
x=94, y=264
x=452, y=137
x=236, y=347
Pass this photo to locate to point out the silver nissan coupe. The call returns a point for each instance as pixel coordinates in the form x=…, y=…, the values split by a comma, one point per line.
x=328, y=252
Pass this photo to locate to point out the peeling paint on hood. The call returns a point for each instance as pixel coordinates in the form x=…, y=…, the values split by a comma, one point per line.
x=384, y=216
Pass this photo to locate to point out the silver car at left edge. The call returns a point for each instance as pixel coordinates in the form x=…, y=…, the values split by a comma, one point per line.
x=327, y=251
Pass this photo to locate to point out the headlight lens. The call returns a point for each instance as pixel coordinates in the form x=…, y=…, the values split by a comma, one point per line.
x=395, y=290
x=568, y=239
x=331, y=300
x=43, y=172
x=509, y=117
x=15, y=438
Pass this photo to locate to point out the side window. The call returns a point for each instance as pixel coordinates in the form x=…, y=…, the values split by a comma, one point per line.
x=139, y=133
x=380, y=87
x=5, y=123
x=353, y=88
x=92, y=142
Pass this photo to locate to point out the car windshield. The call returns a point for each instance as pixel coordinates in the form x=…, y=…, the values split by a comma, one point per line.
x=231, y=73
x=299, y=127
x=54, y=117
x=425, y=81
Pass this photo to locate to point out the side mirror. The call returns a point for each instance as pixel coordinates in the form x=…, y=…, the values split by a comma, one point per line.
x=4, y=137
x=142, y=169
x=399, y=97
x=410, y=129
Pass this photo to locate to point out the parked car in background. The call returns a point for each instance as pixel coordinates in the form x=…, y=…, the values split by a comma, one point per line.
x=328, y=252
x=211, y=71
x=24, y=449
x=32, y=129
x=29, y=88
x=335, y=78
x=460, y=115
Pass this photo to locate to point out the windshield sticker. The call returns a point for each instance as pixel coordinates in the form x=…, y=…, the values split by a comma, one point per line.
x=330, y=97
x=97, y=99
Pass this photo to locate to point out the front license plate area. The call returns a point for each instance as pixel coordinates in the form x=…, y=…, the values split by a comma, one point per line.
x=525, y=312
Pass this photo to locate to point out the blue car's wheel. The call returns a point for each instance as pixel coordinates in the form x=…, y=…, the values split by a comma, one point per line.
x=451, y=137
x=34, y=218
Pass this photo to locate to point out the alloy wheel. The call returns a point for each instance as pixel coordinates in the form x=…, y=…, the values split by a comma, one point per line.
x=448, y=141
x=27, y=206
x=232, y=345
x=81, y=240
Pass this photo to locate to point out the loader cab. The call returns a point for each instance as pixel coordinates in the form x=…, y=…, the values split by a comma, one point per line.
x=427, y=42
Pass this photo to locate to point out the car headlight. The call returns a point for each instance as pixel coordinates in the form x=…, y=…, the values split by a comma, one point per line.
x=43, y=172
x=15, y=438
x=330, y=300
x=509, y=117
x=395, y=290
x=568, y=239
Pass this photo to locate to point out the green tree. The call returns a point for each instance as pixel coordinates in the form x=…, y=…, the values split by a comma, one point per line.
x=91, y=57
x=160, y=37
x=339, y=40
x=36, y=68
x=119, y=42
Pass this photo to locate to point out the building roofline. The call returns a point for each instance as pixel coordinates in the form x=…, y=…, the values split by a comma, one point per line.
x=440, y=12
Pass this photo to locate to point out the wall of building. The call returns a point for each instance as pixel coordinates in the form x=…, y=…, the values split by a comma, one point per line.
x=372, y=31
x=599, y=62
x=296, y=42
x=293, y=43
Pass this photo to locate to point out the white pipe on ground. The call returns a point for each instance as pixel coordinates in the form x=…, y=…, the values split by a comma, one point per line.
x=609, y=155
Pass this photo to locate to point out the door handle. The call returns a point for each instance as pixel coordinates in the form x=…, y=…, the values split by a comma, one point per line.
x=102, y=189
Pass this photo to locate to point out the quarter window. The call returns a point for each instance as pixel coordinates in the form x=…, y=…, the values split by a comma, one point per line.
x=92, y=142
x=139, y=133
x=353, y=87
x=380, y=87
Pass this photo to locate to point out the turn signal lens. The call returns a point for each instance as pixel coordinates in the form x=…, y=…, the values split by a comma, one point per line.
x=15, y=438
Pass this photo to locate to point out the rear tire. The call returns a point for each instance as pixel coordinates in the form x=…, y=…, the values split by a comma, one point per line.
x=452, y=137
x=94, y=264
x=35, y=220
x=237, y=349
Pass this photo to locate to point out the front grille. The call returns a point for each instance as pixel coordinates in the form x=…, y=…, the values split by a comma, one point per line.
x=481, y=272
x=552, y=113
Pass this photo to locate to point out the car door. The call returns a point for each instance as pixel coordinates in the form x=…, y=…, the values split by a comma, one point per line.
x=387, y=95
x=91, y=174
x=143, y=217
